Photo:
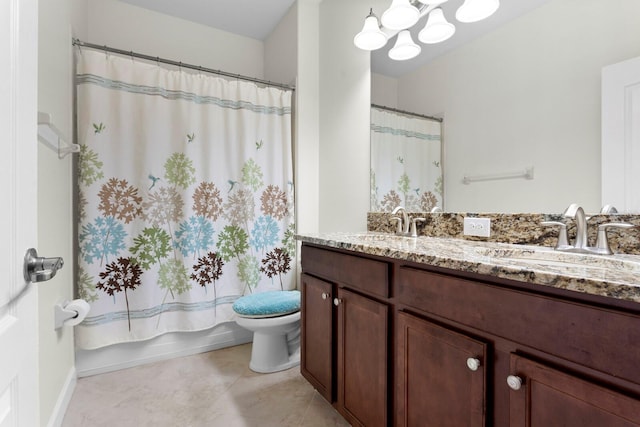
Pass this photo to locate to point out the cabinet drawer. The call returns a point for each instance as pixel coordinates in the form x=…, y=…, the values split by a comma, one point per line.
x=358, y=273
x=600, y=338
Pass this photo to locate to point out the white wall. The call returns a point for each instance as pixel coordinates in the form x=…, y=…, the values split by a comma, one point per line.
x=128, y=27
x=281, y=50
x=384, y=90
x=307, y=118
x=345, y=87
x=55, y=195
x=527, y=94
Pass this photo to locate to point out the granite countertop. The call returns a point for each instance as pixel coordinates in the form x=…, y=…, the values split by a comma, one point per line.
x=615, y=276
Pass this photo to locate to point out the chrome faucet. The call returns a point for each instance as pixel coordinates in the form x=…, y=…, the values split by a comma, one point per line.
x=581, y=243
x=576, y=212
x=404, y=222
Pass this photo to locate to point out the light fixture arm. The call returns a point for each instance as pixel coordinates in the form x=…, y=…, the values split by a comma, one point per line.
x=424, y=9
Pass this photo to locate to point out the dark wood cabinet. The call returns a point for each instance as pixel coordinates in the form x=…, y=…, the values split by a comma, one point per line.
x=542, y=396
x=362, y=359
x=435, y=368
x=345, y=334
x=393, y=342
x=317, y=362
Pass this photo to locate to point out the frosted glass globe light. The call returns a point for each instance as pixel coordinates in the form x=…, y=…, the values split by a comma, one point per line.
x=371, y=37
x=404, y=48
x=400, y=15
x=437, y=28
x=476, y=10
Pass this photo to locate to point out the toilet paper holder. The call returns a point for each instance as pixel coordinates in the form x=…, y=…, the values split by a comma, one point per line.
x=61, y=314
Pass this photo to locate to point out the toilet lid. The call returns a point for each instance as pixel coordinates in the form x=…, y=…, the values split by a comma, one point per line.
x=268, y=304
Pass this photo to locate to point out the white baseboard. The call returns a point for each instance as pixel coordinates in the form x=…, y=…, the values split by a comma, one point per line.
x=57, y=416
x=167, y=346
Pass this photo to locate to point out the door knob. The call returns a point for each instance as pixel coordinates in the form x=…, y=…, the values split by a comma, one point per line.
x=325, y=295
x=40, y=269
x=337, y=301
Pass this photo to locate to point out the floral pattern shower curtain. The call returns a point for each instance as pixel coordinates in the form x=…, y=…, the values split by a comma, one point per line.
x=185, y=197
x=405, y=162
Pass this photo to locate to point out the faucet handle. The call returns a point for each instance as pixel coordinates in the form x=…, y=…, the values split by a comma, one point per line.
x=602, y=244
x=399, y=226
x=414, y=230
x=563, y=239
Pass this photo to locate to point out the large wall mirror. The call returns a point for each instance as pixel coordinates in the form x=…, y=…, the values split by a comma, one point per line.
x=525, y=96
x=406, y=161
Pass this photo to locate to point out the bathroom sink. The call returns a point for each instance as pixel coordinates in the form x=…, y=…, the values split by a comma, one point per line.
x=547, y=258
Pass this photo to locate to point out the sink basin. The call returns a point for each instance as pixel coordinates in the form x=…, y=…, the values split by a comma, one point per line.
x=547, y=258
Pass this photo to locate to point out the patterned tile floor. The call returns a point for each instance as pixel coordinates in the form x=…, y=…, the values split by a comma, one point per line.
x=209, y=389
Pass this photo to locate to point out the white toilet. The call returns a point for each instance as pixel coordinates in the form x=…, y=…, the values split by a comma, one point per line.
x=274, y=318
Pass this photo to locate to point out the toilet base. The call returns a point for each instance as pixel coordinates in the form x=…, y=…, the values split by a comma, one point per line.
x=276, y=342
x=269, y=353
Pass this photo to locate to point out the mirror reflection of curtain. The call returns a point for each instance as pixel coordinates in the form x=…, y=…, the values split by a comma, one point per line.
x=406, y=164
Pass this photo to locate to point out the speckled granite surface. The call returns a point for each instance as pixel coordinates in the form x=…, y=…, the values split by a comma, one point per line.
x=616, y=276
x=521, y=228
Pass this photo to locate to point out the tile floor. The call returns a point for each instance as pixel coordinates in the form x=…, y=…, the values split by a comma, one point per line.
x=209, y=389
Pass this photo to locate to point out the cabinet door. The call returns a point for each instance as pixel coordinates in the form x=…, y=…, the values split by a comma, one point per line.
x=440, y=375
x=543, y=396
x=316, y=363
x=362, y=359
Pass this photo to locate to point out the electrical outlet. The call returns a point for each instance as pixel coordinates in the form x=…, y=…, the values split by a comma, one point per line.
x=477, y=227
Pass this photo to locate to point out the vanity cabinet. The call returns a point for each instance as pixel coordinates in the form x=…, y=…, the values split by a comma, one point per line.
x=345, y=333
x=393, y=342
x=548, y=360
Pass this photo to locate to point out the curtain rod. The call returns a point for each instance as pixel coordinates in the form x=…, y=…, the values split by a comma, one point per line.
x=409, y=113
x=105, y=48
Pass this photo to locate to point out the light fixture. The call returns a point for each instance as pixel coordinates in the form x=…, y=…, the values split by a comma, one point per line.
x=404, y=48
x=437, y=29
x=476, y=10
x=404, y=14
x=371, y=37
x=400, y=15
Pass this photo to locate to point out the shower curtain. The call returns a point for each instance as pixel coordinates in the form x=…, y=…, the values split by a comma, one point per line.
x=406, y=165
x=185, y=197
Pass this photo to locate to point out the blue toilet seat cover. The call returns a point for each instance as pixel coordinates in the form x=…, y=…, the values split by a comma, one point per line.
x=268, y=304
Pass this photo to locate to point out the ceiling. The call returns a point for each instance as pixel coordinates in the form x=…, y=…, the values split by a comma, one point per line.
x=232, y=16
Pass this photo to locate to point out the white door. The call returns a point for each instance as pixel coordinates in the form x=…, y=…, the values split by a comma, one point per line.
x=621, y=135
x=18, y=162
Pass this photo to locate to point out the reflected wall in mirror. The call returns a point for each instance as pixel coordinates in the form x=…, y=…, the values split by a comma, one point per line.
x=527, y=94
x=406, y=161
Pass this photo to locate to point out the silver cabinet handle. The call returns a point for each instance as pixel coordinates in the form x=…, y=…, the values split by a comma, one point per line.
x=514, y=382
x=473, y=364
x=337, y=301
x=325, y=295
